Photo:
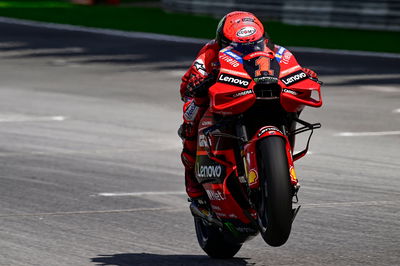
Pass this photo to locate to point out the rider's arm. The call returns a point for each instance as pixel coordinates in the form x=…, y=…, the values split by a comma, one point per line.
x=201, y=67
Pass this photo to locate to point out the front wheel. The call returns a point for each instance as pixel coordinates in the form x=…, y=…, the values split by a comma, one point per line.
x=212, y=241
x=275, y=204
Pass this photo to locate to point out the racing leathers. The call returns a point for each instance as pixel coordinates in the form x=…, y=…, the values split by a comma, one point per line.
x=194, y=92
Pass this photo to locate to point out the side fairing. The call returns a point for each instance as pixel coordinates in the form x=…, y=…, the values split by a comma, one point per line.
x=296, y=85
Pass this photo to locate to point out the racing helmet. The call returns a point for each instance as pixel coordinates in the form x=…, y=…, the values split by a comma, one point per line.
x=239, y=27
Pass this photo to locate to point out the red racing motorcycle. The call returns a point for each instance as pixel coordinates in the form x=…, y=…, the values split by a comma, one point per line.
x=245, y=156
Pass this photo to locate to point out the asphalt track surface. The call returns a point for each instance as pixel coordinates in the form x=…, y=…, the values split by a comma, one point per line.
x=84, y=117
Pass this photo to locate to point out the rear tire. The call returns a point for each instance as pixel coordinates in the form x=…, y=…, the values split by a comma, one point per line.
x=212, y=241
x=275, y=206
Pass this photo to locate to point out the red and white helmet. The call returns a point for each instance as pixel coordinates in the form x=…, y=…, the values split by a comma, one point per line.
x=239, y=27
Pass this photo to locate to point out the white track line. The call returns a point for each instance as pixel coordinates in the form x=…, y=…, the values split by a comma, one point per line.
x=396, y=110
x=367, y=134
x=343, y=52
x=306, y=206
x=87, y=212
x=170, y=38
x=381, y=88
x=139, y=194
x=26, y=118
x=350, y=204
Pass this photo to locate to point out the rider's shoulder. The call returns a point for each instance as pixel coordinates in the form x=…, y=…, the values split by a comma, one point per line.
x=210, y=49
x=211, y=45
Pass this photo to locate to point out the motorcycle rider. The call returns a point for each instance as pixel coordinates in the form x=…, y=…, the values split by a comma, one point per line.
x=235, y=27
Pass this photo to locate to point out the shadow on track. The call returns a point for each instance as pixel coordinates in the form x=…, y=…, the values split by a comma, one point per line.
x=147, y=259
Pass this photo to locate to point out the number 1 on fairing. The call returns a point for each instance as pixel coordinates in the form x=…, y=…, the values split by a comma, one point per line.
x=264, y=65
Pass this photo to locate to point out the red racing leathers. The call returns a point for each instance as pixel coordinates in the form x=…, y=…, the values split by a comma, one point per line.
x=194, y=107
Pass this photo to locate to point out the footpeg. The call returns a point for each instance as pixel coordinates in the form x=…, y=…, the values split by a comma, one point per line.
x=204, y=214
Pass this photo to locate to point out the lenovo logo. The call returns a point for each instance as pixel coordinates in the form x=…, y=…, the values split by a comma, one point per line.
x=234, y=80
x=294, y=78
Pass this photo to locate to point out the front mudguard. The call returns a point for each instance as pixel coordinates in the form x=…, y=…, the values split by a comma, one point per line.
x=250, y=153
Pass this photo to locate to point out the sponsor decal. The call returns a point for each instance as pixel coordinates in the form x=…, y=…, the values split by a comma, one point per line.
x=295, y=93
x=191, y=112
x=292, y=174
x=199, y=65
x=286, y=57
x=294, y=78
x=233, y=55
x=220, y=214
x=247, y=19
x=270, y=130
x=238, y=73
x=252, y=176
x=258, y=54
x=215, y=207
x=209, y=171
x=242, y=93
x=281, y=50
x=266, y=80
x=234, y=80
x=279, y=54
x=246, y=32
x=215, y=195
x=230, y=60
x=289, y=70
x=203, y=141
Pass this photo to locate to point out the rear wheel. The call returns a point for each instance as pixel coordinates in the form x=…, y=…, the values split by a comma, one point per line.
x=275, y=204
x=212, y=241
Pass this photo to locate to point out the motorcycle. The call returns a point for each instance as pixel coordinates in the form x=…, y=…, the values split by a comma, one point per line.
x=244, y=158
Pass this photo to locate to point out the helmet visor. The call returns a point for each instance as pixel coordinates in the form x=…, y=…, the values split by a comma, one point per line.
x=249, y=47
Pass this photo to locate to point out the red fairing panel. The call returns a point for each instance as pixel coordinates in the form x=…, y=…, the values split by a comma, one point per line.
x=222, y=202
x=233, y=92
x=216, y=159
x=250, y=150
x=296, y=86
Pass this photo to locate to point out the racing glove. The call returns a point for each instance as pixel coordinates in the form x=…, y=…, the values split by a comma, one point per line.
x=198, y=85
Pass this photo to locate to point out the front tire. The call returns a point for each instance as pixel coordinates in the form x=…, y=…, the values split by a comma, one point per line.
x=212, y=241
x=275, y=205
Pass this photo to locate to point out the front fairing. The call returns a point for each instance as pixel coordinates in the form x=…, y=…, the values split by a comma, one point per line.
x=233, y=91
x=296, y=86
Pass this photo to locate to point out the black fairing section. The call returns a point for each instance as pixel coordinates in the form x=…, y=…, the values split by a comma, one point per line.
x=251, y=67
x=209, y=171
